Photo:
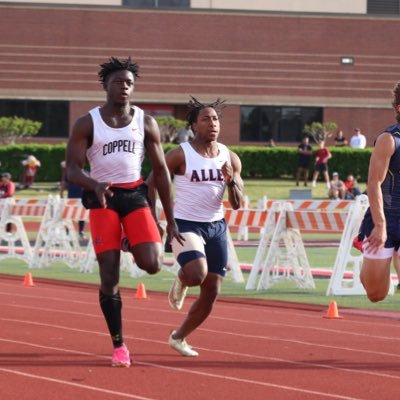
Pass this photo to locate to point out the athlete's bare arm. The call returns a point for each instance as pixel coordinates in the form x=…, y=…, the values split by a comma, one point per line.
x=79, y=141
x=378, y=168
x=175, y=159
x=160, y=174
x=231, y=172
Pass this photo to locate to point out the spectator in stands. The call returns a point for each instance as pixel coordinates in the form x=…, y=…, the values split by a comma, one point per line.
x=352, y=189
x=7, y=189
x=73, y=192
x=358, y=140
x=337, y=189
x=30, y=165
x=321, y=164
x=340, y=140
x=304, y=152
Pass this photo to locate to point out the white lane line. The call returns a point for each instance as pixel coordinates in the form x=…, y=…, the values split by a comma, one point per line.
x=77, y=385
x=240, y=321
x=297, y=313
x=169, y=368
x=237, y=354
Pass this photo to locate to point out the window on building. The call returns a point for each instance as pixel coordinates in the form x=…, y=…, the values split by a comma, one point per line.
x=280, y=123
x=53, y=114
x=389, y=7
x=157, y=3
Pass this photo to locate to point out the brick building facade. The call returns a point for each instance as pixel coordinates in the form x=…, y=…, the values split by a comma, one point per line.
x=282, y=63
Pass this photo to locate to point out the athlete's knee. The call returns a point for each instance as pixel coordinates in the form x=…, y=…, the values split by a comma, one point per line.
x=148, y=257
x=152, y=269
x=374, y=293
x=192, y=276
x=152, y=265
x=375, y=296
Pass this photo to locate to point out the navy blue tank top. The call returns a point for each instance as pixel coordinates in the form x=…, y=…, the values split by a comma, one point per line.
x=391, y=185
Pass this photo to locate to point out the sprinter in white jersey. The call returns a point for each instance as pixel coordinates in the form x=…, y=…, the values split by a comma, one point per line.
x=113, y=138
x=202, y=169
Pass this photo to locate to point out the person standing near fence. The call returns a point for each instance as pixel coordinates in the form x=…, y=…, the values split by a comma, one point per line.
x=202, y=169
x=379, y=236
x=322, y=157
x=304, y=154
x=114, y=138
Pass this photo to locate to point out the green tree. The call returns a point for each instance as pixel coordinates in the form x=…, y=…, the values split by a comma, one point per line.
x=169, y=127
x=13, y=129
x=320, y=131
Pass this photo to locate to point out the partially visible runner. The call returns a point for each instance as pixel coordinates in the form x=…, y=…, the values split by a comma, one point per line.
x=201, y=169
x=379, y=236
x=114, y=138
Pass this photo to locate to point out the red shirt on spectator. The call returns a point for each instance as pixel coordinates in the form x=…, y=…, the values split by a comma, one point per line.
x=7, y=187
x=322, y=156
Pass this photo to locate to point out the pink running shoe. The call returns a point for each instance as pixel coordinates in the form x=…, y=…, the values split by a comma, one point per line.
x=120, y=357
x=358, y=244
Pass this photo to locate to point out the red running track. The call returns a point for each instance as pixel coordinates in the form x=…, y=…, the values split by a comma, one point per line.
x=54, y=345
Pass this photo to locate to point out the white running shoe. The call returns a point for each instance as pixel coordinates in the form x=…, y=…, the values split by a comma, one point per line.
x=181, y=346
x=176, y=295
x=314, y=184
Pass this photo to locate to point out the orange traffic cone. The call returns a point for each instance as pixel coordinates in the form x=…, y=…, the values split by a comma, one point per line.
x=28, y=281
x=141, y=292
x=333, y=311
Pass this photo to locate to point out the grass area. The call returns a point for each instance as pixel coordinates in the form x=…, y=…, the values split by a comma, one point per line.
x=283, y=291
x=280, y=189
x=319, y=258
x=255, y=189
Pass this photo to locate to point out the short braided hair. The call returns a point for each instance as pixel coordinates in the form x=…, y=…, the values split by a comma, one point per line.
x=195, y=107
x=115, y=64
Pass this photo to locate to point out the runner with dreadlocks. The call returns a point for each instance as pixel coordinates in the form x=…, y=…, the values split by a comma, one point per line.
x=114, y=138
x=202, y=169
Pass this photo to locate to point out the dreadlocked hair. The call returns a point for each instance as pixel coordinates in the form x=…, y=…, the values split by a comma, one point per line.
x=116, y=65
x=396, y=99
x=195, y=107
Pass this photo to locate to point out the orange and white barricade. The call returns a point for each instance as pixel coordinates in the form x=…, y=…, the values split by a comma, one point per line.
x=243, y=230
x=62, y=244
x=286, y=258
x=268, y=226
x=250, y=218
x=17, y=242
x=346, y=261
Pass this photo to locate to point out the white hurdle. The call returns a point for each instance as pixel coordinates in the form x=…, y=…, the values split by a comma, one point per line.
x=62, y=243
x=281, y=254
x=347, y=262
x=17, y=243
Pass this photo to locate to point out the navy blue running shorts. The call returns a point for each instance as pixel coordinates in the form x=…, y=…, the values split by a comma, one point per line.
x=392, y=230
x=212, y=244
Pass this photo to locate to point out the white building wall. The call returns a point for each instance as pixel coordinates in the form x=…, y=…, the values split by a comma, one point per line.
x=322, y=6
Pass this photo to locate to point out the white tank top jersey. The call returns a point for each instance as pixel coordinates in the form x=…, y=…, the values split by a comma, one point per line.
x=200, y=191
x=116, y=154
